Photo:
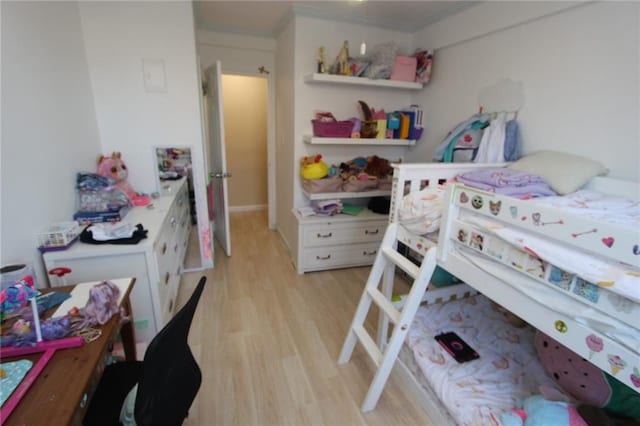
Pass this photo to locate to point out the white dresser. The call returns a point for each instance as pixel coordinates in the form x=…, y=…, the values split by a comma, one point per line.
x=155, y=262
x=338, y=242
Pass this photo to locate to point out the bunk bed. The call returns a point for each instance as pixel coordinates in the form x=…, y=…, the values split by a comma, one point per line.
x=597, y=322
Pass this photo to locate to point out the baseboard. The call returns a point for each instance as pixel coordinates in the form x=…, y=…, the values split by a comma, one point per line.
x=257, y=207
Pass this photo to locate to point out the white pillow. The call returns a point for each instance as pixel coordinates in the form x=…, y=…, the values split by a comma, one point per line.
x=564, y=172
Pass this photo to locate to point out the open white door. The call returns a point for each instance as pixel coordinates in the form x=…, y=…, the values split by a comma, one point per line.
x=216, y=160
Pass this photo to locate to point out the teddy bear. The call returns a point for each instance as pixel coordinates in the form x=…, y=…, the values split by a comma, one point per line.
x=378, y=167
x=115, y=168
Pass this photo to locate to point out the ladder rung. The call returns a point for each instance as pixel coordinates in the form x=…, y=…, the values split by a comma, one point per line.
x=384, y=304
x=401, y=261
x=369, y=344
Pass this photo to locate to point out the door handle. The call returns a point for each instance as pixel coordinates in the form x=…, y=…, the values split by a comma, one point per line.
x=220, y=175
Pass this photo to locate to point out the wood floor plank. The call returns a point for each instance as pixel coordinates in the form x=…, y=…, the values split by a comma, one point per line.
x=267, y=340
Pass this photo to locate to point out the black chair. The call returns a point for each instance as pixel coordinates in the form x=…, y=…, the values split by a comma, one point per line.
x=168, y=378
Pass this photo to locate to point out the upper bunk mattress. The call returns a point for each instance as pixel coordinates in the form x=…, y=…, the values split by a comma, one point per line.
x=478, y=391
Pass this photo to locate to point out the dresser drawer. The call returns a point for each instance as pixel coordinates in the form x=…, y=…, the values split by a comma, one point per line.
x=328, y=257
x=343, y=233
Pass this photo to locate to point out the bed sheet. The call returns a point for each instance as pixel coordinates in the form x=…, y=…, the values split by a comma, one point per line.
x=594, y=204
x=476, y=392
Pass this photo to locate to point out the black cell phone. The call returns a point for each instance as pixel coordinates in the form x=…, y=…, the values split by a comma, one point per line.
x=456, y=347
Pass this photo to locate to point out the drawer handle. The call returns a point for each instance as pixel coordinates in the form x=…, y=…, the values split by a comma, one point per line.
x=369, y=253
x=367, y=232
x=164, y=248
x=171, y=305
x=166, y=278
x=173, y=222
x=327, y=257
x=325, y=235
x=175, y=248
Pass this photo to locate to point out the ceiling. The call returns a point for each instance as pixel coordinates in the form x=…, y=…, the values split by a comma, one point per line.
x=266, y=18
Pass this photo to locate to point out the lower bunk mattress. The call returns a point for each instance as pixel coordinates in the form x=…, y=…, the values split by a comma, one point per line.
x=476, y=392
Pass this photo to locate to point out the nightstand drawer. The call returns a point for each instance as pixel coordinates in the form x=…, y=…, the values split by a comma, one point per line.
x=328, y=234
x=339, y=256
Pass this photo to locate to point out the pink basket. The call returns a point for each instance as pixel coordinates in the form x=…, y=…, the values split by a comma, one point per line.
x=332, y=129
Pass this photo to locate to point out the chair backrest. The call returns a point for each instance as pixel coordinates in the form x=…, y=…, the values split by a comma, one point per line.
x=170, y=374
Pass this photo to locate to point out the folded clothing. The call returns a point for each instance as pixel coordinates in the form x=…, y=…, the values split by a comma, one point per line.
x=112, y=231
x=507, y=182
x=86, y=236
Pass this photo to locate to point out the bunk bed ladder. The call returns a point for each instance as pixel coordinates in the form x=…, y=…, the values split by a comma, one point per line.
x=387, y=257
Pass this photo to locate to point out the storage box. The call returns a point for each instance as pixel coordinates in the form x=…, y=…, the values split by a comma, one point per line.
x=86, y=218
x=404, y=68
x=58, y=236
x=328, y=184
x=332, y=129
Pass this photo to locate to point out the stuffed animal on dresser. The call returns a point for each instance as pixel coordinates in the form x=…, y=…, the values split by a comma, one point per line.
x=115, y=168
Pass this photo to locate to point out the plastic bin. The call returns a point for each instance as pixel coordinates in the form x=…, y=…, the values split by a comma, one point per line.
x=12, y=274
x=58, y=236
x=332, y=129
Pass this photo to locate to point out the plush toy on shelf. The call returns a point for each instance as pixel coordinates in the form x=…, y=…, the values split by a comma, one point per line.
x=313, y=167
x=115, y=168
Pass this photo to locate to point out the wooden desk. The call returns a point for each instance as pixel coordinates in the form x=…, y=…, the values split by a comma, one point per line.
x=63, y=389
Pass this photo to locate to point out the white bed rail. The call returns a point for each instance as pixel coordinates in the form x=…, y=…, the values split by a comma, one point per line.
x=514, y=289
x=619, y=243
x=410, y=177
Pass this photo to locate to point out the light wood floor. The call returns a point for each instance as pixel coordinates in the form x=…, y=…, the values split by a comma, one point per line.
x=267, y=341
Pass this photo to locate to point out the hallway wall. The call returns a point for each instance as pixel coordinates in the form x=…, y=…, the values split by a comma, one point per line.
x=245, y=124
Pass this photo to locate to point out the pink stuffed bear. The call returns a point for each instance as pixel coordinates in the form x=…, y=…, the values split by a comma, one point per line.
x=115, y=168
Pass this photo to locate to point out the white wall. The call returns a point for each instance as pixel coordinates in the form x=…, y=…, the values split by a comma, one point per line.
x=580, y=69
x=49, y=130
x=132, y=120
x=118, y=36
x=239, y=54
x=341, y=100
x=296, y=101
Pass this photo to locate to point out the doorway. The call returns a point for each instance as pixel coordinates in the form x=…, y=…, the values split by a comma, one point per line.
x=245, y=101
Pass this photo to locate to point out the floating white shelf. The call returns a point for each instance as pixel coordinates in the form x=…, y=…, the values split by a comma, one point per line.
x=357, y=141
x=361, y=81
x=343, y=195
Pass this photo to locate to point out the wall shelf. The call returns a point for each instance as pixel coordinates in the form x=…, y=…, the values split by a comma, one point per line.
x=361, y=81
x=365, y=214
x=343, y=195
x=357, y=141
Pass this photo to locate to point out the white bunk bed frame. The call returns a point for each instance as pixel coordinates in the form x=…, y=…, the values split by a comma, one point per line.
x=572, y=333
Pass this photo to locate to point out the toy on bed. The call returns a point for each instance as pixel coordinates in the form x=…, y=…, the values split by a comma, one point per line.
x=115, y=168
x=538, y=411
x=584, y=381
